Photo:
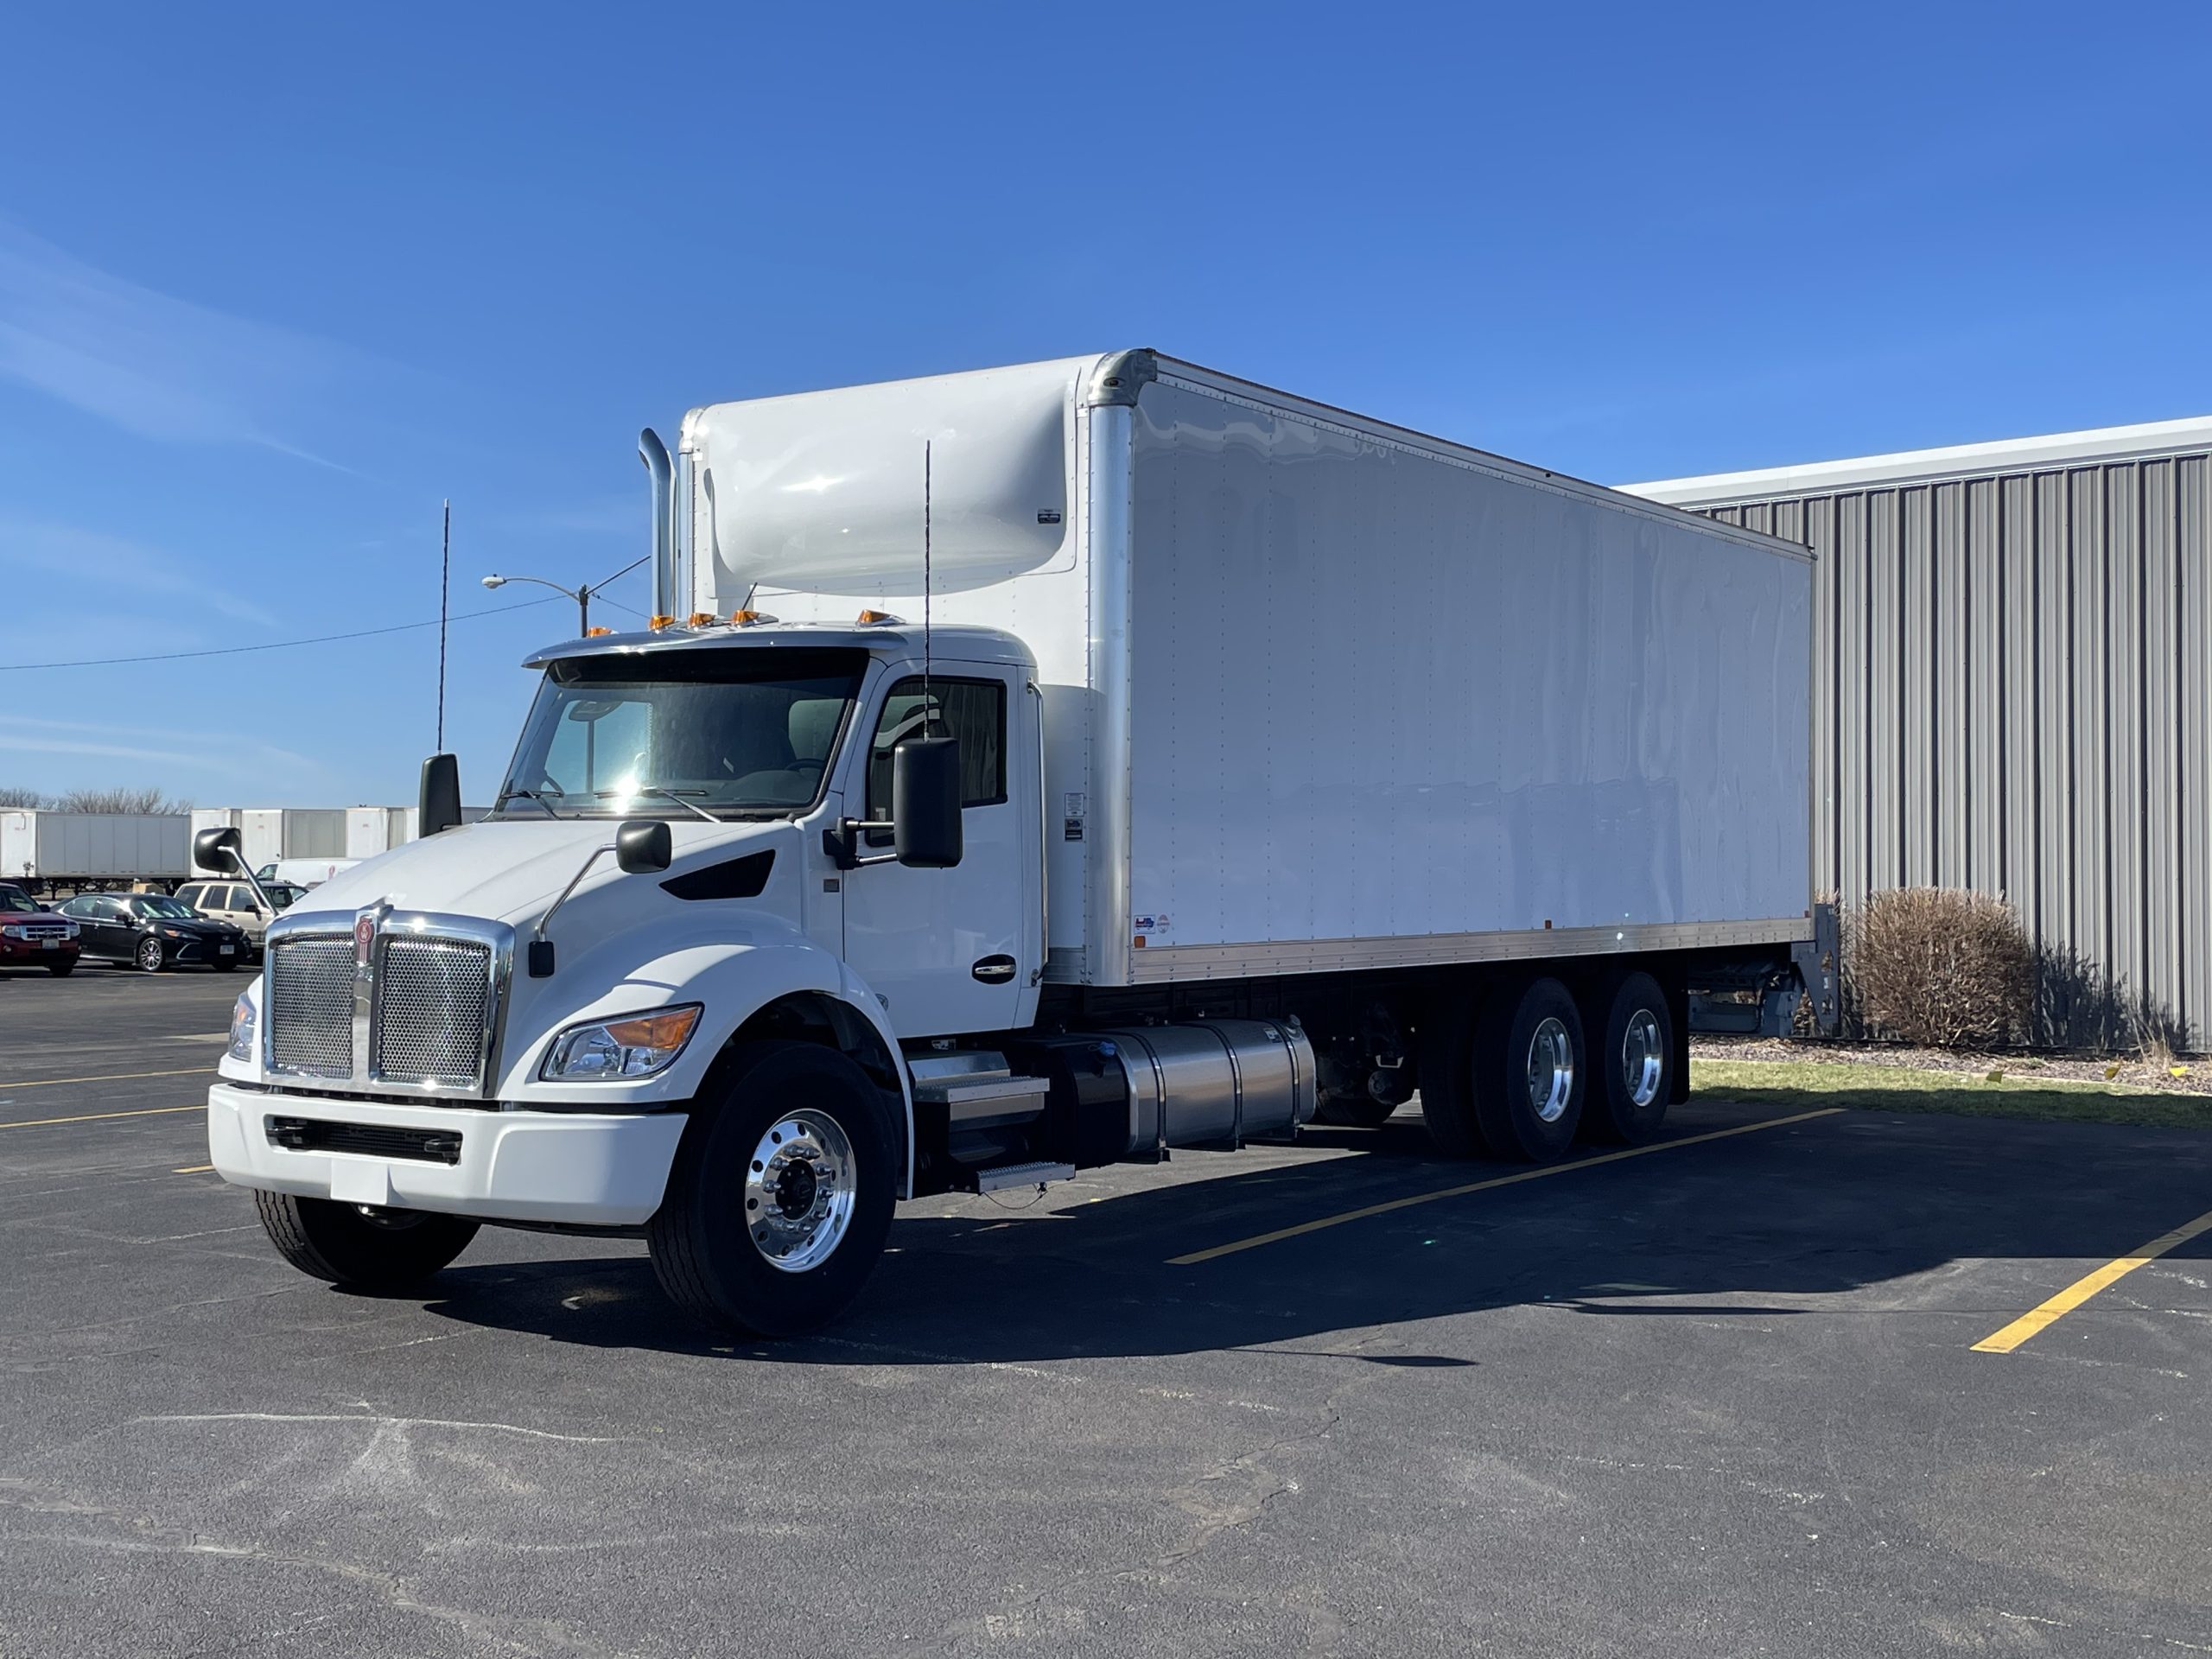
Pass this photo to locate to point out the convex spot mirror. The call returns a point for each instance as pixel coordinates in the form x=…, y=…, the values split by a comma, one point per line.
x=925, y=803
x=642, y=847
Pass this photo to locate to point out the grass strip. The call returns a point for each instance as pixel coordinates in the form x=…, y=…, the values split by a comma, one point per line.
x=1804, y=1083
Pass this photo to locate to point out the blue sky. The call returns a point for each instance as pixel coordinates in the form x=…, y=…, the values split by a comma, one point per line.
x=275, y=281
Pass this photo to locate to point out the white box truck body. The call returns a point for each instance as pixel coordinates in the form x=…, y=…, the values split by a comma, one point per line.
x=1235, y=758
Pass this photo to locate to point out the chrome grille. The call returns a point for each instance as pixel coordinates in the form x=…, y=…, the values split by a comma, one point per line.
x=434, y=1011
x=311, y=1005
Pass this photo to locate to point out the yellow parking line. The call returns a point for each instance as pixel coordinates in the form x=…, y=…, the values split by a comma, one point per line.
x=113, y=1076
x=1280, y=1233
x=192, y=1169
x=91, y=1117
x=2005, y=1341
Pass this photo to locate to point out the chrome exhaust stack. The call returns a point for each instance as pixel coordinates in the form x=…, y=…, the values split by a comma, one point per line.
x=654, y=453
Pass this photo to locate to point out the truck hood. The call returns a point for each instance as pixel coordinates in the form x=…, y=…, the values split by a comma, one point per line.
x=511, y=871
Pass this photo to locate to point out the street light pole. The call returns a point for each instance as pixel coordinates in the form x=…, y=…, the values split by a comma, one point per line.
x=582, y=595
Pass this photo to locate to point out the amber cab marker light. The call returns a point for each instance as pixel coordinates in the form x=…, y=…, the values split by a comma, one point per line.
x=701, y=620
x=659, y=622
x=595, y=630
x=745, y=619
x=868, y=619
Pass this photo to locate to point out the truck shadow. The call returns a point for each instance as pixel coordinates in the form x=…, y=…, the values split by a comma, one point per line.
x=1754, y=1228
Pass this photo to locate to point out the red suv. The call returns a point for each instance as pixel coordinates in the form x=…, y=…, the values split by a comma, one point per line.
x=31, y=936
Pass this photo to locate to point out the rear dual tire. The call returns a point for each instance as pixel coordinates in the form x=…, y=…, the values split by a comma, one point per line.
x=1520, y=1073
x=1634, y=1062
x=1504, y=1078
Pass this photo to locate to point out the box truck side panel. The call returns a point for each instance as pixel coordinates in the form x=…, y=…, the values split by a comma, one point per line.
x=1388, y=705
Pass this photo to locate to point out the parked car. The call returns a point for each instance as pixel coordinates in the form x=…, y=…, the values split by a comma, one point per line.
x=33, y=936
x=150, y=932
x=234, y=902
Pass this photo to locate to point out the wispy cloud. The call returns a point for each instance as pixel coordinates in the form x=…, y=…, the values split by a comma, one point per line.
x=119, y=566
x=237, y=753
x=610, y=515
x=155, y=366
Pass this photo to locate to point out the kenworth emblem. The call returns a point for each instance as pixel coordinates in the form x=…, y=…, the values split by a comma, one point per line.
x=365, y=935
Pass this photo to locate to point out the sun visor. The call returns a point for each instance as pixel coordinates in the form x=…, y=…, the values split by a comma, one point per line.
x=822, y=493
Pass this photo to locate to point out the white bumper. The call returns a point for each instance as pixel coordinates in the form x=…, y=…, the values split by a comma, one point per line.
x=584, y=1169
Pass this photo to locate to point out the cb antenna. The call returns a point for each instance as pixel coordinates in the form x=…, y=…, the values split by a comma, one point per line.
x=929, y=708
x=445, y=587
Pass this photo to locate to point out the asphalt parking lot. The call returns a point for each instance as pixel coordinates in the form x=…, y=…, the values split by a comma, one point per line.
x=1719, y=1398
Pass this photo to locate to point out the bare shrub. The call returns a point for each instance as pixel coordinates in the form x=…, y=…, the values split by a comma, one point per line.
x=126, y=799
x=1945, y=969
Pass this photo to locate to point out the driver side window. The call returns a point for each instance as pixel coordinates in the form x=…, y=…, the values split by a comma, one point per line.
x=972, y=710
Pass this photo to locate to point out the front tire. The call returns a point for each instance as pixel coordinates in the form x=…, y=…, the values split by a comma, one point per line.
x=780, y=1198
x=1529, y=1071
x=61, y=970
x=362, y=1248
x=148, y=957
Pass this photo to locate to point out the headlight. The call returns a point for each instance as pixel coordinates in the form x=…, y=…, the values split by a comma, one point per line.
x=171, y=933
x=71, y=933
x=242, y=1025
x=635, y=1046
x=14, y=931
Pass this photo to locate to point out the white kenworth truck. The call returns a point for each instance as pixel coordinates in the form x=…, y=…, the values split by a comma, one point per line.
x=1034, y=769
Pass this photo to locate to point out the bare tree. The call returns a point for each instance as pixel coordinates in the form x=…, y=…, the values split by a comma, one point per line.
x=120, y=800
x=11, y=795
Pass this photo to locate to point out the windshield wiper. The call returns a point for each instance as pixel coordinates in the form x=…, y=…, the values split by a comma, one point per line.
x=525, y=795
x=654, y=789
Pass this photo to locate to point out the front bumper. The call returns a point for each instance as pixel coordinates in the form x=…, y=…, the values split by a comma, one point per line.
x=205, y=951
x=30, y=951
x=582, y=1170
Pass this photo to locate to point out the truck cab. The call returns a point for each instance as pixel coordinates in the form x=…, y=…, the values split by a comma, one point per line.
x=513, y=1016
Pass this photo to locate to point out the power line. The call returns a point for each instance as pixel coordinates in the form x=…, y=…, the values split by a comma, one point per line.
x=274, y=644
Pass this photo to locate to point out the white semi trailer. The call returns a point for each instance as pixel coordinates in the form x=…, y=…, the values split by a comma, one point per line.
x=1033, y=769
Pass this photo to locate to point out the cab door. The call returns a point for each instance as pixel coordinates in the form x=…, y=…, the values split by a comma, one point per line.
x=960, y=949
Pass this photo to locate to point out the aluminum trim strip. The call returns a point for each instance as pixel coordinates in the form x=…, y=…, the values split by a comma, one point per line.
x=1160, y=964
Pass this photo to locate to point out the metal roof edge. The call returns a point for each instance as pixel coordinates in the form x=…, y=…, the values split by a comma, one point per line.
x=2147, y=441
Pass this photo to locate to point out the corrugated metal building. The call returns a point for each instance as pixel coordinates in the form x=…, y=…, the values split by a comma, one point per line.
x=2013, y=657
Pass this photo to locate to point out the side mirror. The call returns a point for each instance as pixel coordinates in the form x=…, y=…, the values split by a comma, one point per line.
x=642, y=847
x=217, y=850
x=440, y=801
x=925, y=803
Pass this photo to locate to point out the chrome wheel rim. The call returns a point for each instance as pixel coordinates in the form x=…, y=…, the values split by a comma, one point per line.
x=1551, y=1070
x=799, y=1191
x=1644, y=1062
x=149, y=956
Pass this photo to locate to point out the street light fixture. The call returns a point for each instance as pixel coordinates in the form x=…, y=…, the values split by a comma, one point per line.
x=582, y=595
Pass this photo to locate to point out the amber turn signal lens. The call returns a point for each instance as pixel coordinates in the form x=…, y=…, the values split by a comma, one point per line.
x=654, y=1030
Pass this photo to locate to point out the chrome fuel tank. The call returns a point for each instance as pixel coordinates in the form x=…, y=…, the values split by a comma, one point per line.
x=1213, y=1083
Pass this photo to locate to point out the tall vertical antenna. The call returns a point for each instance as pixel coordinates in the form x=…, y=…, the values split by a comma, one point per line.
x=445, y=586
x=929, y=709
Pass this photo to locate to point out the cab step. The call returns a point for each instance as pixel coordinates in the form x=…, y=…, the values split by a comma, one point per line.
x=991, y=1180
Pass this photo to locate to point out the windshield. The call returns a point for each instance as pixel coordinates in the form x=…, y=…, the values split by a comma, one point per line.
x=155, y=906
x=15, y=899
x=736, y=732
